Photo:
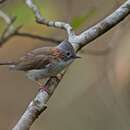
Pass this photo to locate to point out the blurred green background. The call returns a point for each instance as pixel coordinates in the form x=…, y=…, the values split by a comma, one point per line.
x=95, y=93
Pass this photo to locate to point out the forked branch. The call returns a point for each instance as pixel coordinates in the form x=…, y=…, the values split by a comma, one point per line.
x=41, y=20
x=11, y=31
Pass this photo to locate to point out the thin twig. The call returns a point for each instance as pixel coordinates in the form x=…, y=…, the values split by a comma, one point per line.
x=37, y=37
x=41, y=20
x=11, y=31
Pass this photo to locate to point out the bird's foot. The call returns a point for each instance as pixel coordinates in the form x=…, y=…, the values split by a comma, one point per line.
x=44, y=88
x=59, y=76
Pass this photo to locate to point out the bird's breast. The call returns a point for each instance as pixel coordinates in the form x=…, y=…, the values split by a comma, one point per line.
x=51, y=69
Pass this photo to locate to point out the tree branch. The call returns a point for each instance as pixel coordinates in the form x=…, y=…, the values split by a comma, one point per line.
x=11, y=31
x=41, y=38
x=103, y=26
x=38, y=105
x=42, y=20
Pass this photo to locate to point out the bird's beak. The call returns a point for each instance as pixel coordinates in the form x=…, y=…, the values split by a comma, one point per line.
x=77, y=57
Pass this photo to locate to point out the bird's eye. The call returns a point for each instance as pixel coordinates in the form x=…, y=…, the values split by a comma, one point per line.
x=68, y=53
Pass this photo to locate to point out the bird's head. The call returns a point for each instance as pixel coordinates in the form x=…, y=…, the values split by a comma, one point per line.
x=67, y=51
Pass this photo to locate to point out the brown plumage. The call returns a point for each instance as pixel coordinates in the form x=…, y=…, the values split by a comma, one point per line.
x=44, y=62
x=36, y=59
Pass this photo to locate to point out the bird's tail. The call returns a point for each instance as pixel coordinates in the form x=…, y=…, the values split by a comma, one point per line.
x=6, y=63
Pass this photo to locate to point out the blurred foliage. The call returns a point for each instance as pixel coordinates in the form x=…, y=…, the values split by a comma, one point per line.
x=79, y=20
x=20, y=11
x=2, y=25
x=24, y=14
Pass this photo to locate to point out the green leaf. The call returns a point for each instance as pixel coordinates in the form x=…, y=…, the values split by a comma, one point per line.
x=79, y=20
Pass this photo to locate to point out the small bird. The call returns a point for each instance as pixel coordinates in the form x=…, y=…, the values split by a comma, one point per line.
x=44, y=62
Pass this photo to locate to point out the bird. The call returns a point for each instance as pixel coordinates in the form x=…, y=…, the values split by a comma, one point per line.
x=44, y=62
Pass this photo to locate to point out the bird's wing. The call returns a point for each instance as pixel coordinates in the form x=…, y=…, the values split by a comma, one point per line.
x=31, y=61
